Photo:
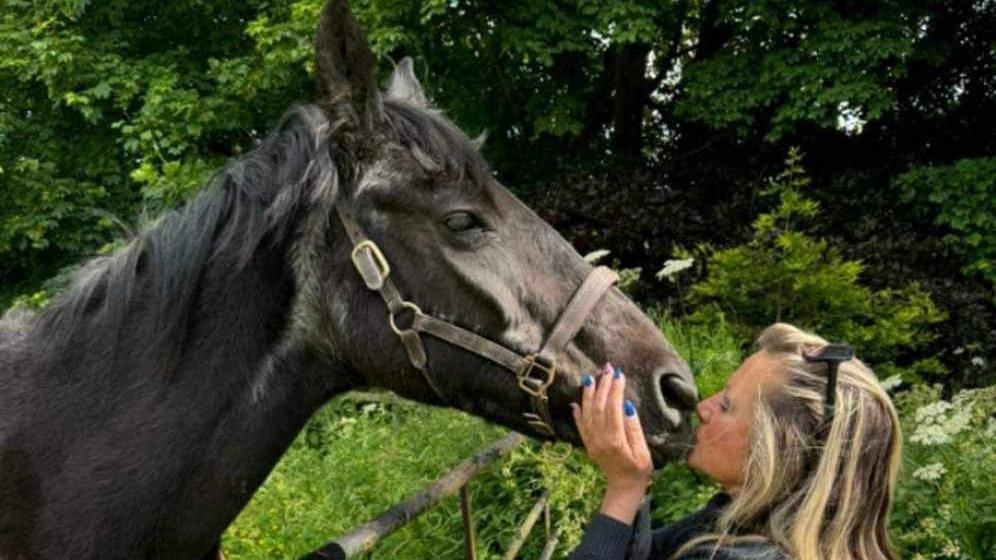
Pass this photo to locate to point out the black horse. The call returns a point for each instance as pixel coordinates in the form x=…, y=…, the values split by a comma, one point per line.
x=140, y=411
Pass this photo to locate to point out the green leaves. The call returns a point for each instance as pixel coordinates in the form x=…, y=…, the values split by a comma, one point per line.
x=944, y=506
x=113, y=106
x=785, y=274
x=961, y=196
x=798, y=63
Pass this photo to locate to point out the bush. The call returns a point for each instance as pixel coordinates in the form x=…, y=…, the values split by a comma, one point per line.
x=946, y=501
x=964, y=198
x=784, y=274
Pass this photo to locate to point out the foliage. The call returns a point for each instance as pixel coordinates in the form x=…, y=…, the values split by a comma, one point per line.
x=712, y=350
x=945, y=506
x=784, y=274
x=964, y=196
x=651, y=111
x=799, y=63
x=352, y=462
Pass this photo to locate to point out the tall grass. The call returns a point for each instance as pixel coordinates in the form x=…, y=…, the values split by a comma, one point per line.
x=348, y=465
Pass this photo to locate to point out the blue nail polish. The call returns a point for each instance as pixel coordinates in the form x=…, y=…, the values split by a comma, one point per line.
x=587, y=380
x=628, y=408
x=616, y=373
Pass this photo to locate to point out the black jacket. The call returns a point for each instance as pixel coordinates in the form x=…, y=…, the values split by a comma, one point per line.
x=609, y=539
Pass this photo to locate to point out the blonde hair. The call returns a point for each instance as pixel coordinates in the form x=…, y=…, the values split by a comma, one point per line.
x=816, y=495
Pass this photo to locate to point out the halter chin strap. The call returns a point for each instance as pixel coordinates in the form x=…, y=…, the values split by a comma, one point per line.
x=534, y=372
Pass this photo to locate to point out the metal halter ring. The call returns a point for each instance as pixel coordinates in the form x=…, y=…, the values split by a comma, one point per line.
x=536, y=386
x=404, y=305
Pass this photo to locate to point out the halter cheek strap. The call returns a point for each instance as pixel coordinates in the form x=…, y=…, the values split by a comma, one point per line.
x=535, y=373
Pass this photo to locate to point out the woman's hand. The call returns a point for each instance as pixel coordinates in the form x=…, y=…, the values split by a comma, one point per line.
x=612, y=434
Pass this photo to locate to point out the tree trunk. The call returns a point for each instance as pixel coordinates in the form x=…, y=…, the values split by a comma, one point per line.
x=630, y=99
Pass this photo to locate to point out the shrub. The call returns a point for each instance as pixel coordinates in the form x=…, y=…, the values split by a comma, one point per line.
x=963, y=196
x=946, y=501
x=784, y=274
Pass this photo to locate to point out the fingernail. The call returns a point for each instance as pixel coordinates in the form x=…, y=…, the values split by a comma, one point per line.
x=616, y=373
x=587, y=380
x=628, y=408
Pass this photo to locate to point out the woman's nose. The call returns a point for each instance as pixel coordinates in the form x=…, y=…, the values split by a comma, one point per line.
x=702, y=409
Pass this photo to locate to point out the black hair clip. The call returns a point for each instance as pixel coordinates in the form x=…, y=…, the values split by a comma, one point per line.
x=832, y=355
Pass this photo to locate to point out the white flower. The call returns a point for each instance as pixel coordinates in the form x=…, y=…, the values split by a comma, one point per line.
x=849, y=119
x=931, y=472
x=963, y=397
x=959, y=422
x=991, y=428
x=932, y=412
x=930, y=435
x=672, y=267
x=595, y=256
x=936, y=427
x=951, y=550
x=978, y=361
x=891, y=383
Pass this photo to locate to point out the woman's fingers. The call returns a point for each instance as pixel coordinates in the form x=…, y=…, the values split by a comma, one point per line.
x=634, y=434
x=602, y=392
x=610, y=431
x=587, y=398
x=614, y=406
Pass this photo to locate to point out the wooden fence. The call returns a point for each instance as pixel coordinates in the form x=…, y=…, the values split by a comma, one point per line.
x=366, y=536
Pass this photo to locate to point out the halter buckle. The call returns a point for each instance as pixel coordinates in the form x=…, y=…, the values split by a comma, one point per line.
x=371, y=264
x=536, y=386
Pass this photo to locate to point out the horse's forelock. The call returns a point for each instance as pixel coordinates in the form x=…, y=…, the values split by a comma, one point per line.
x=440, y=148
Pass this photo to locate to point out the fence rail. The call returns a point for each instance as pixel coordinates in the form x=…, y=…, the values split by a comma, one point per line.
x=365, y=537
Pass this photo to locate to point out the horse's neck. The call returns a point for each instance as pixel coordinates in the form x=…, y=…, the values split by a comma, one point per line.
x=175, y=457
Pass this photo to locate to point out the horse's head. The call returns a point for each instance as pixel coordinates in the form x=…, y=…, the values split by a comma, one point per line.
x=467, y=253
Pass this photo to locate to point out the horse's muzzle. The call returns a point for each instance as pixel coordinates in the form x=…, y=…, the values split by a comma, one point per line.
x=674, y=399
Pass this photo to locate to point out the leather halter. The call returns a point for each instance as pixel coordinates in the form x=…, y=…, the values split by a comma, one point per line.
x=534, y=372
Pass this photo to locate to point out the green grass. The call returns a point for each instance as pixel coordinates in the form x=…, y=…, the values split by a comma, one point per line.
x=711, y=350
x=349, y=465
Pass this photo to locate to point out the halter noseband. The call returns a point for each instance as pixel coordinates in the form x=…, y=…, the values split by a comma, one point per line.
x=534, y=372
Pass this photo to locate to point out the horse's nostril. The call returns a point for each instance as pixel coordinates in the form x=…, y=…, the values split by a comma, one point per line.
x=677, y=389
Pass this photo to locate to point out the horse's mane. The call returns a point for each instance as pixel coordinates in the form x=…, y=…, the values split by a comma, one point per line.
x=247, y=204
x=250, y=204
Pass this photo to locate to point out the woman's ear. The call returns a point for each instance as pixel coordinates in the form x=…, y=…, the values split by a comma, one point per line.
x=346, y=67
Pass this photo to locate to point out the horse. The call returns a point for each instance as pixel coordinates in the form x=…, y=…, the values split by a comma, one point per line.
x=364, y=243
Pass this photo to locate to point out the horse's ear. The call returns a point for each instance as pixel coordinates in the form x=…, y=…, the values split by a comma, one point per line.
x=405, y=86
x=346, y=67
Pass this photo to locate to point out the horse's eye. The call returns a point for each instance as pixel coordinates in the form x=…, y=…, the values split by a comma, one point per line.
x=460, y=222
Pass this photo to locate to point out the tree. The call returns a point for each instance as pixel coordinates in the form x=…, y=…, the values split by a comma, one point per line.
x=118, y=106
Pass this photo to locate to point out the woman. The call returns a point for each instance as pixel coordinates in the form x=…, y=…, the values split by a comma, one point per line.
x=798, y=483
